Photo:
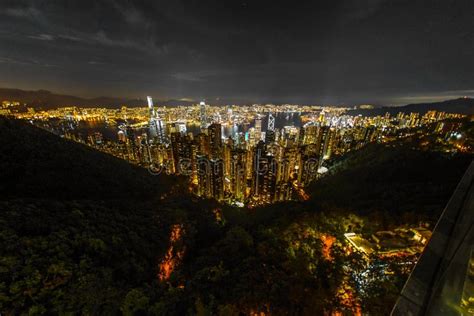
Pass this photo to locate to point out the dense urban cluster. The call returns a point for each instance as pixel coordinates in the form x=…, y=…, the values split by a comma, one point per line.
x=237, y=154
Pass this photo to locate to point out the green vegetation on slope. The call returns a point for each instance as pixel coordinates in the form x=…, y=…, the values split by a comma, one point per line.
x=60, y=257
x=78, y=228
x=392, y=179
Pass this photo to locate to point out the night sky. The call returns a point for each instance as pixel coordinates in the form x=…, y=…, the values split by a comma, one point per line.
x=338, y=52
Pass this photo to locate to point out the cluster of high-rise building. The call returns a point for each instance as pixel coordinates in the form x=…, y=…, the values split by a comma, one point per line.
x=249, y=168
x=258, y=164
x=263, y=165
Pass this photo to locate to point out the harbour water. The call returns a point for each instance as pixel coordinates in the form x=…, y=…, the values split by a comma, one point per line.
x=109, y=131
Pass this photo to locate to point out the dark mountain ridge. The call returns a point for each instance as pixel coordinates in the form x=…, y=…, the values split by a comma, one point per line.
x=460, y=105
x=43, y=99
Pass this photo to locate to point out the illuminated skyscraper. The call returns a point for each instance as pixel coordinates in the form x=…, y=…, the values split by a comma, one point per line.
x=269, y=137
x=202, y=141
x=250, y=136
x=144, y=150
x=131, y=144
x=238, y=187
x=203, y=116
x=210, y=175
x=320, y=139
x=263, y=179
x=150, y=106
x=182, y=152
x=216, y=179
x=310, y=134
x=271, y=123
x=228, y=147
x=215, y=140
x=203, y=172
x=157, y=130
x=156, y=126
x=328, y=143
x=269, y=180
x=258, y=128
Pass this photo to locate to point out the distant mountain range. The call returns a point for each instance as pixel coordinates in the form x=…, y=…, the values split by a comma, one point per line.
x=461, y=105
x=47, y=100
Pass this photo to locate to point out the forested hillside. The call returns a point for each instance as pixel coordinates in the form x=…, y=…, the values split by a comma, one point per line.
x=393, y=179
x=78, y=228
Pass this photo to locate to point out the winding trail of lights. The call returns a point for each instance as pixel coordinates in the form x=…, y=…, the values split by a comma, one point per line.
x=173, y=257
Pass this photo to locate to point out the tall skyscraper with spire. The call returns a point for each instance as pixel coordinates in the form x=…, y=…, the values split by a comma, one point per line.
x=150, y=106
x=156, y=126
x=203, y=115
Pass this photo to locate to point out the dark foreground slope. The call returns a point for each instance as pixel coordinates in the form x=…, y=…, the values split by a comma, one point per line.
x=78, y=229
x=392, y=179
x=36, y=163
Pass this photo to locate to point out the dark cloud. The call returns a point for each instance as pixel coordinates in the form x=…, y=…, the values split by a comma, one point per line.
x=42, y=37
x=348, y=51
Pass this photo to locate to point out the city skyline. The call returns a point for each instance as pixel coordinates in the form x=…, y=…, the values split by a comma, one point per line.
x=245, y=156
